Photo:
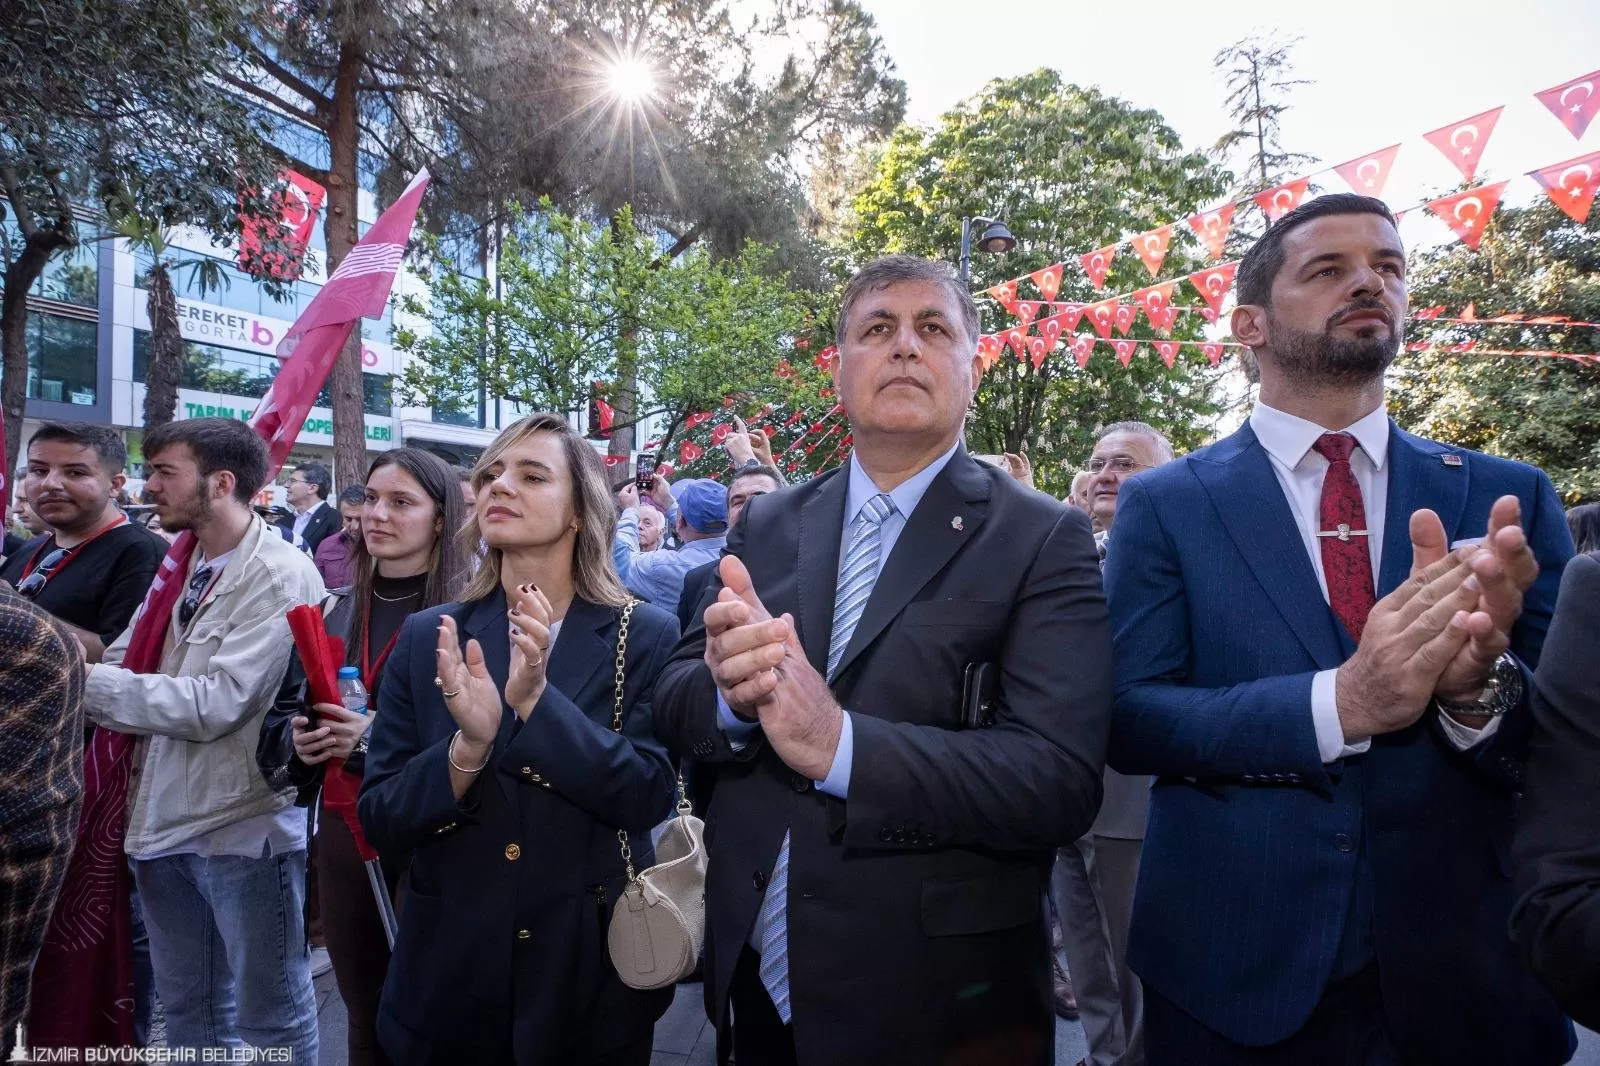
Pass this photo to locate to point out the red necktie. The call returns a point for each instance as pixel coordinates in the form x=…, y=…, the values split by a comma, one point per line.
x=1346, y=558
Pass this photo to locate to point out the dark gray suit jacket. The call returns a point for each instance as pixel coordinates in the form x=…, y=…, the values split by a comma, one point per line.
x=915, y=928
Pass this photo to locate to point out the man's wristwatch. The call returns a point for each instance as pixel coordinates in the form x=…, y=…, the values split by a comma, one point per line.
x=1501, y=692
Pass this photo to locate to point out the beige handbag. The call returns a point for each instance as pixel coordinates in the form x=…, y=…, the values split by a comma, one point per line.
x=658, y=925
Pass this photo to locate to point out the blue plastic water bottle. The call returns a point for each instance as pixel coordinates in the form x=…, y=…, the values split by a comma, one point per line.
x=352, y=693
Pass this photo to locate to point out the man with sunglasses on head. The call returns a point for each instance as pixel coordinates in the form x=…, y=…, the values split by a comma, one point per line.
x=219, y=855
x=91, y=566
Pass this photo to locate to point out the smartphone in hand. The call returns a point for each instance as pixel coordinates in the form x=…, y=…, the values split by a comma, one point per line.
x=646, y=478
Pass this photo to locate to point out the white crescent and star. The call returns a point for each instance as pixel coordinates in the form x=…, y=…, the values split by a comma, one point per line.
x=1588, y=91
x=1576, y=190
x=1466, y=149
x=1361, y=172
x=1476, y=214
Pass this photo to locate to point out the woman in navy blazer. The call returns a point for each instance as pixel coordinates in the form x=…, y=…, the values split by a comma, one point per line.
x=496, y=766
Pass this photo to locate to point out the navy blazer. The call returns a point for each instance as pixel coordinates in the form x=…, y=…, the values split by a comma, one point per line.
x=1253, y=843
x=501, y=954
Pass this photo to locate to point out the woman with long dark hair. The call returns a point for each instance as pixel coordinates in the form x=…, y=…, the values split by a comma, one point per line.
x=406, y=560
x=506, y=766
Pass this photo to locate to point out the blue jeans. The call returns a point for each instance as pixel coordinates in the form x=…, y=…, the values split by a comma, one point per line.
x=228, y=945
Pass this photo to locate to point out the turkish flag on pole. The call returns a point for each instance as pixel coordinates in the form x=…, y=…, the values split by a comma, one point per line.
x=1468, y=212
x=1575, y=103
x=1212, y=229
x=1368, y=174
x=84, y=972
x=1571, y=185
x=1462, y=142
x=1096, y=264
x=1152, y=248
x=1279, y=201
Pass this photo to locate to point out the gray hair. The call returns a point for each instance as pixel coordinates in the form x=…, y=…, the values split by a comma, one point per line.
x=1143, y=429
x=892, y=270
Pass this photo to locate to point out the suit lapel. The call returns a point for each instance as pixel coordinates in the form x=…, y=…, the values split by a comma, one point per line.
x=819, y=532
x=581, y=649
x=1246, y=495
x=1418, y=478
x=930, y=540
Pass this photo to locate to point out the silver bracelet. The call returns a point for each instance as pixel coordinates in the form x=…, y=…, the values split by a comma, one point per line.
x=450, y=756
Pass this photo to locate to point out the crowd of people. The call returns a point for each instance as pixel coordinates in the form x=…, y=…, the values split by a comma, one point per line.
x=1279, y=752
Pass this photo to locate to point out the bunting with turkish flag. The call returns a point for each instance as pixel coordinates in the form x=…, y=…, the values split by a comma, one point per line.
x=1098, y=264
x=1368, y=174
x=298, y=205
x=1463, y=142
x=1127, y=314
x=1037, y=350
x=720, y=433
x=1212, y=229
x=1152, y=248
x=1124, y=350
x=1169, y=352
x=1102, y=316
x=1017, y=338
x=1005, y=294
x=1048, y=280
x=1050, y=329
x=696, y=419
x=1571, y=185
x=1213, y=284
x=1280, y=200
x=689, y=451
x=1027, y=310
x=613, y=460
x=1213, y=353
x=84, y=972
x=1083, y=348
x=1467, y=213
x=989, y=348
x=1574, y=103
x=1157, y=303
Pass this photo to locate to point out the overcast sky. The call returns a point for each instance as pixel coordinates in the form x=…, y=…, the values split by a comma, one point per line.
x=1383, y=70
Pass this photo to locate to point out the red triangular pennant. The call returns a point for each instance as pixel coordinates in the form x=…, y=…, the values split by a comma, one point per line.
x=1037, y=350
x=1212, y=229
x=1428, y=314
x=1071, y=315
x=1102, y=316
x=720, y=434
x=1213, y=352
x=1096, y=264
x=1468, y=212
x=1127, y=314
x=1027, y=310
x=1152, y=248
x=1124, y=351
x=1048, y=280
x=1280, y=200
x=824, y=358
x=1462, y=142
x=1082, y=348
x=1050, y=329
x=1571, y=186
x=1214, y=284
x=989, y=348
x=1017, y=338
x=697, y=418
x=1157, y=301
x=1169, y=352
x=688, y=452
x=1005, y=295
x=1368, y=174
x=1575, y=103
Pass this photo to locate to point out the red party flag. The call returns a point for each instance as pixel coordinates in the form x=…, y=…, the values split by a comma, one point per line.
x=1571, y=185
x=1468, y=212
x=1126, y=316
x=1368, y=174
x=1575, y=103
x=1169, y=352
x=1213, y=352
x=1027, y=310
x=1102, y=316
x=1096, y=264
x=1212, y=229
x=783, y=369
x=688, y=452
x=1082, y=348
x=1124, y=351
x=720, y=434
x=1214, y=284
x=1157, y=302
x=1208, y=313
x=1281, y=199
x=1463, y=142
x=697, y=418
x=1050, y=329
x=1005, y=294
x=1037, y=350
x=1048, y=280
x=1152, y=248
x=1017, y=338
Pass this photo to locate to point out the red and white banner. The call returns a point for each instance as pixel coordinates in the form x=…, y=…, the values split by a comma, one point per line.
x=1102, y=316
x=1125, y=350
x=689, y=451
x=1214, y=284
x=1048, y=280
x=1466, y=213
x=1368, y=174
x=1212, y=228
x=1051, y=328
x=1017, y=338
x=1027, y=310
x=1463, y=142
x=1127, y=315
x=1157, y=303
x=298, y=206
x=1571, y=185
x=1168, y=351
x=1097, y=264
x=1152, y=248
x=613, y=460
x=1083, y=348
x=1282, y=199
x=696, y=419
x=1574, y=103
x=1005, y=294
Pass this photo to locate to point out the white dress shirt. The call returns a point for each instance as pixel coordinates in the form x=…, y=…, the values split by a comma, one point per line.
x=1300, y=470
x=303, y=519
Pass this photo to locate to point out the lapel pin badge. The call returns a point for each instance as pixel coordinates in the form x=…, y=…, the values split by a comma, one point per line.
x=1450, y=459
x=955, y=523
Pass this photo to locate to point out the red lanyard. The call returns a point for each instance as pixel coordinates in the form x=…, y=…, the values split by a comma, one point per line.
x=370, y=669
x=72, y=552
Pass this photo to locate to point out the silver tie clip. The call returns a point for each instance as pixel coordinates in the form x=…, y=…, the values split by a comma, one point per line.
x=1344, y=532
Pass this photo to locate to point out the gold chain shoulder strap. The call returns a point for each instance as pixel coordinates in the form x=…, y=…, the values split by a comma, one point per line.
x=616, y=725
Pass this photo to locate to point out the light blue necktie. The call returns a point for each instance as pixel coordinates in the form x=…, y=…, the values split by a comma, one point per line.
x=857, y=574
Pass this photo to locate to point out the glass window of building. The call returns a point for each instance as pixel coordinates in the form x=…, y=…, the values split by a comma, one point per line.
x=63, y=359
x=72, y=275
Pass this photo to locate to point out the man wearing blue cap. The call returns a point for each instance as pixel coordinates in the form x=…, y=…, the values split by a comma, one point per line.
x=700, y=521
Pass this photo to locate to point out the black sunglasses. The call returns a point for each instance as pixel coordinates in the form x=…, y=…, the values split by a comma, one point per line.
x=191, y=598
x=31, y=585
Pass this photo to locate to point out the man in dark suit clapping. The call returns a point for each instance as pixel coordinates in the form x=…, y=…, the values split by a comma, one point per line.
x=902, y=741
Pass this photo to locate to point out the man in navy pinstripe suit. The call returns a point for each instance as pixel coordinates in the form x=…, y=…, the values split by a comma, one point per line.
x=1323, y=629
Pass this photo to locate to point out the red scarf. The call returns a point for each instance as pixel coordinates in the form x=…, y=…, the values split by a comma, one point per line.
x=83, y=981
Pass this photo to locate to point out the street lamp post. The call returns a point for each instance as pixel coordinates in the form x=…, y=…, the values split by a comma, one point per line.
x=995, y=240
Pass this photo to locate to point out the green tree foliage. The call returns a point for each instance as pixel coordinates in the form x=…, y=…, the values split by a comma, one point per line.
x=115, y=100
x=705, y=329
x=1069, y=170
x=1538, y=410
x=1257, y=72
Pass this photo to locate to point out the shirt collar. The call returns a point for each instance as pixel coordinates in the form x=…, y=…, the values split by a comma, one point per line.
x=906, y=495
x=1287, y=438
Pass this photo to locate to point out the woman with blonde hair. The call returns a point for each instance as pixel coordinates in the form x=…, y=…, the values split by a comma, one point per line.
x=505, y=766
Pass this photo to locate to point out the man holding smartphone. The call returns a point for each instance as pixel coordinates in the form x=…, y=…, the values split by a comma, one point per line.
x=697, y=513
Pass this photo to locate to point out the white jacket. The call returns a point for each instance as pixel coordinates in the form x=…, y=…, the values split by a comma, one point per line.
x=203, y=711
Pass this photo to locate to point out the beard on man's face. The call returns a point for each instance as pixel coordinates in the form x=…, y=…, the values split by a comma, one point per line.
x=187, y=513
x=1319, y=356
